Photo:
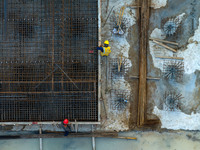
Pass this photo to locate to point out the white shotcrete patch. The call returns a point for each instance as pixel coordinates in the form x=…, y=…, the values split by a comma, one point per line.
x=176, y=120
x=156, y=50
x=192, y=54
x=121, y=46
x=179, y=18
x=158, y=3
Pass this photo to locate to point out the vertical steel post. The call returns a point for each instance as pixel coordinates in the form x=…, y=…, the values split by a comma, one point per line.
x=5, y=19
x=99, y=59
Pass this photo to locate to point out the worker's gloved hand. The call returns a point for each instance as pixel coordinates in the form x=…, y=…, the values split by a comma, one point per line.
x=100, y=48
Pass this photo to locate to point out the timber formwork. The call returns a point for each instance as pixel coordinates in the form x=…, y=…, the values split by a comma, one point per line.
x=48, y=60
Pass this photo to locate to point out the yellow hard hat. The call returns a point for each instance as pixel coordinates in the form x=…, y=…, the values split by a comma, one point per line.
x=106, y=42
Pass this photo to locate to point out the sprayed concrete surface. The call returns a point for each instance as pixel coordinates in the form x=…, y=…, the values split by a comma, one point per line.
x=187, y=116
x=178, y=120
x=117, y=119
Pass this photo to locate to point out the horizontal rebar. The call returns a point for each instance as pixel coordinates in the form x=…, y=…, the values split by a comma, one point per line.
x=46, y=70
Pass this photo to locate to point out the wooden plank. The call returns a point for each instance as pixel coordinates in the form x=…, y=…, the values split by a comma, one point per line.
x=71, y=135
x=152, y=122
x=144, y=21
x=148, y=78
x=107, y=6
x=133, y=6
x=128, y=138
x=152, y=78
x=164, y=41
x=61, y=135
x=165, y=57
x=165, y=46
x=119, y=62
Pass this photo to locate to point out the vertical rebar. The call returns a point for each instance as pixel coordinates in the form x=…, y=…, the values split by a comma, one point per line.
x=63, y=40
x=53, y=37
x=46, y=71
x=5, y=19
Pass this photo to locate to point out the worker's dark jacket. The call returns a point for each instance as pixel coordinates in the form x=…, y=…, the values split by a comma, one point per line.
x=66, y=129
x=100, y=48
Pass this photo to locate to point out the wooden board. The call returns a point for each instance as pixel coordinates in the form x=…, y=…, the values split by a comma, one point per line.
x=144, y=22
x=165, y=57
x=164, y=41
x=60, y=135
x=165, y=46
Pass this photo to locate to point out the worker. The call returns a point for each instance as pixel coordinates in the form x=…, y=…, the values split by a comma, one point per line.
x=66, y=127
x=105, y=50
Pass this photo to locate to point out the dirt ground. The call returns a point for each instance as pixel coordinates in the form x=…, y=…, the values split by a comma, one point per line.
x=155, y=88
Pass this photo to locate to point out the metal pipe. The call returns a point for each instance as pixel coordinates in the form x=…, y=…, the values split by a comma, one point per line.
x=40, y=131
x=40, y=143
x=43, y=123
x=93, y=140
x=106, y=73
x=93, y=143
x=99, y=60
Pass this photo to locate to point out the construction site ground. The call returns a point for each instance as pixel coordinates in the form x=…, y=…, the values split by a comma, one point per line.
x=126, y=47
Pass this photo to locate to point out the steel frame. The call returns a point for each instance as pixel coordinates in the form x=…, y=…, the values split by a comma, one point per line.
x=53, y=66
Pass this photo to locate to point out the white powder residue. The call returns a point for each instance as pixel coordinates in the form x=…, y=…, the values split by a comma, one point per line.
x=129, y=14
x=157, y=33
x=192, y=54
x=118, y=120
x=179, y=18
x=176, y=120
x=156, y=50
x=118, y=125
x=119, y=45
x=158, y=3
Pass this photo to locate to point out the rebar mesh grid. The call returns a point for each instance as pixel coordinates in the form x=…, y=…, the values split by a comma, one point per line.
x=171, y=26
x=115, y=28
x=173, y=70
x=172, y=101
x=46, y=70
x=120, y=99
x=118, y=68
